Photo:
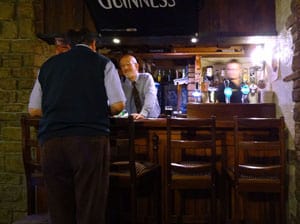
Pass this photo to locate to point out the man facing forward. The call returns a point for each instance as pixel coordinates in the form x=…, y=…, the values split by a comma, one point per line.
x=144, y=83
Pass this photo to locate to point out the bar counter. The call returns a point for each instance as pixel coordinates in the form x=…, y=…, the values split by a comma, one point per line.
x=224, y=113
x=154, y=129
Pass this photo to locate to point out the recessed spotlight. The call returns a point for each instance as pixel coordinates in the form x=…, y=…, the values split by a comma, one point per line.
x=194, y=40
x=116, y=40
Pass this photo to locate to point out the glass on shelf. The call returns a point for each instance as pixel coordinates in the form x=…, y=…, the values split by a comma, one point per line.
x=168, y=110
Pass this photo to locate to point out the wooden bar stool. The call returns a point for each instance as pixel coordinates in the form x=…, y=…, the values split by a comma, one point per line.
x=191, y=169
x=259, y=172
x=132, y=177
x=36, y=192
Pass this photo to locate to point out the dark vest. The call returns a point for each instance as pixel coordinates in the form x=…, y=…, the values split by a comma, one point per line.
x=74, y=100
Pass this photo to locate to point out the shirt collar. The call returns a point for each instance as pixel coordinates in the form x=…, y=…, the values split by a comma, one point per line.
x=136, y=78
x=83, y=45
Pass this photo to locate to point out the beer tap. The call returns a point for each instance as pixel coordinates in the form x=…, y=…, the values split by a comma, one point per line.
x=227, y=91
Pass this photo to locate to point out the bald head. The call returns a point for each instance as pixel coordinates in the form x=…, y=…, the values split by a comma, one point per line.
x=129, y=66
x=128, y=58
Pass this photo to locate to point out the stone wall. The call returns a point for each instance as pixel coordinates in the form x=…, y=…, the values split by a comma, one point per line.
x=21, y=53
x=292, y=23
x=284, y=100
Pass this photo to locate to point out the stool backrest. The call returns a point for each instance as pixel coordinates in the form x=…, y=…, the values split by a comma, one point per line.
x=190, y=164
x=194, y=139
x=32, y=164
x=260, y=149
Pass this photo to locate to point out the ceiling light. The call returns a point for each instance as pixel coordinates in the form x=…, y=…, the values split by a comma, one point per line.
x=194, y=39
x=116, y=40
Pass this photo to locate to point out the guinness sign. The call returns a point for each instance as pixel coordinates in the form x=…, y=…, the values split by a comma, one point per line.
x=145, y=17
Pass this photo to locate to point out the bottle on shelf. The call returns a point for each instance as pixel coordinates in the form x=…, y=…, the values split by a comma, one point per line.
x=222, y=76
x=209, y=77
x=245, y=75
x=197, y=94
x=169, y=76
x=176, y=74
x=183, y=73
x=163, y=76
x=159, y=76
x=216, y=80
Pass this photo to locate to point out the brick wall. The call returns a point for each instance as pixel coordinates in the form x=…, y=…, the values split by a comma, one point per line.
x=21, y=53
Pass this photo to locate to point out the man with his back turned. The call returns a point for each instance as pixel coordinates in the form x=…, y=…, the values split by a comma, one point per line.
x=76, y=87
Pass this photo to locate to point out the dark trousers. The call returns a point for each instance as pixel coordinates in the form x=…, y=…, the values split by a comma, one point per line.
x=76, y=175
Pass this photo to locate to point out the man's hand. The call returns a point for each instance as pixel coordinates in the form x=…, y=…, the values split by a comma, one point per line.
x=117, y=108
x=35, y=112
x=137, y=116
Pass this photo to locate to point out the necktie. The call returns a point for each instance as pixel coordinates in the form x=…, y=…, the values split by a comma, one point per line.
x=136, y=98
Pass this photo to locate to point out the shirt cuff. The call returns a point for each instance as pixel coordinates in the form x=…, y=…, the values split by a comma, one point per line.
x=144, y=113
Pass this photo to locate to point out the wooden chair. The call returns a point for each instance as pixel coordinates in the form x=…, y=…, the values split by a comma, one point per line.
x=36, y=193
x=131, y=177
x=259, y=170
x=191, y=168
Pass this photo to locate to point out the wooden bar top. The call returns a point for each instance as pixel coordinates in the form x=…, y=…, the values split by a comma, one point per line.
x=224, y=111
x=160, y=123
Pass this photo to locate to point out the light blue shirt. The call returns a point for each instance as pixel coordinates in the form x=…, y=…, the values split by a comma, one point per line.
x=147, y=93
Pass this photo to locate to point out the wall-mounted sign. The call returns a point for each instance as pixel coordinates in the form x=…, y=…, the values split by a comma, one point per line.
x=145, y=17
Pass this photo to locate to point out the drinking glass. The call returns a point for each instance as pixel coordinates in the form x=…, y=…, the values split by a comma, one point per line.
x=168, y=110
